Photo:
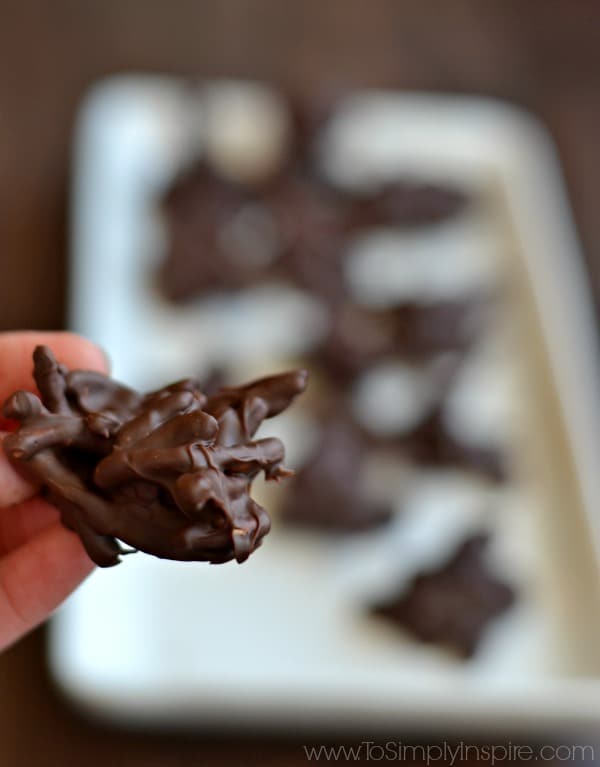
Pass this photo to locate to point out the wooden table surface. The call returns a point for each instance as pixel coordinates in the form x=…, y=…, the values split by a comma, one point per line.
x=543, y=54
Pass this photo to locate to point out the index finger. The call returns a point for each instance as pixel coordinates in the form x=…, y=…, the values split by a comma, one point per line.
x=16, y=366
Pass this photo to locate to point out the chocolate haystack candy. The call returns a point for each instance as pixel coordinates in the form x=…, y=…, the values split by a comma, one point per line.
x=228, y=236
x=215, y=231
x=433, y=444
x=451, y=606
x=168, y=473
x=292, y=223
x=359, y=338
x=327, y=492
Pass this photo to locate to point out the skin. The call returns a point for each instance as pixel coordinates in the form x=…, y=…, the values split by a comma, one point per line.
x=41, y=562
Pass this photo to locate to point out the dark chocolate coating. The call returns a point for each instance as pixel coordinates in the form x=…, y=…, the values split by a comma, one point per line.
x=200, y=209
x=407, y=203
x=433, y=444
x=227, y=236
x=359, y=338
x=168, y=473
x=295, y=219
x=328, y=491
x=452, y=605
x=425, y=329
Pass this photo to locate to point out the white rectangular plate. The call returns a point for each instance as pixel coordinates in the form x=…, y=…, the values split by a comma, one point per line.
x=284, y=641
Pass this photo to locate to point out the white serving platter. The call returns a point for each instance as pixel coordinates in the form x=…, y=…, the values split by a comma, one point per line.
x=283, y=641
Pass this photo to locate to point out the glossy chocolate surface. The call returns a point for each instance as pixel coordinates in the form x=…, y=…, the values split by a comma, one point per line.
x=168, y=473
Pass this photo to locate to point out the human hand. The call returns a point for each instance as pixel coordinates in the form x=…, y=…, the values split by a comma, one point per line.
x=41, y=562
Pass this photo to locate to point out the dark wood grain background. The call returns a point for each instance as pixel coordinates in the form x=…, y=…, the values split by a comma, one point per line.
x=542, y=54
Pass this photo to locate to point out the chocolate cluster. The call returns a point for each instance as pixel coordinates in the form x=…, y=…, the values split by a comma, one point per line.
x=294, y=225
x=328, y=491
x=451, y=605
x=168, y=473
